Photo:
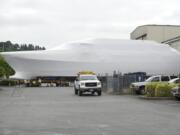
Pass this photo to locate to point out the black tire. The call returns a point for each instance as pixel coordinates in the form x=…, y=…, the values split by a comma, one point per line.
x=177, y=98
x=80, y=93
x=99, y=93
x=142, y=90
x=137, y=92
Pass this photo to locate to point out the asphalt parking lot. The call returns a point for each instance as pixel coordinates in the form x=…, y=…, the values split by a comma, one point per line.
x=57, y=111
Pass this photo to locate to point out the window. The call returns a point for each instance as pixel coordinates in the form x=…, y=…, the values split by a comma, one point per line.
x=92, y=77
x=173, y=77
x=156, y=79
x=165, y=78
x=178, y=81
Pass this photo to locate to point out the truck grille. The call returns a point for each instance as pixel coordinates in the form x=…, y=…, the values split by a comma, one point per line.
x=91, y=84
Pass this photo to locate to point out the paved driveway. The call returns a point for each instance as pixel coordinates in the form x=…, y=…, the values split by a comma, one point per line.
x=57, y=111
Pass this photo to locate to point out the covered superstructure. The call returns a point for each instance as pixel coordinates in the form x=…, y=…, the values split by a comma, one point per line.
x=98, y=55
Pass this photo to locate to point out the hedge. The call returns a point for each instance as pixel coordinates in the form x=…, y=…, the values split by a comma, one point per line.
x=8, y=82
x=150, y=89
x=163, y=90
x=159, y=89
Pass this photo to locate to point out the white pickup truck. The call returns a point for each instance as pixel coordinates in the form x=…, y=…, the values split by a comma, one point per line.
x=87, y=83
x=139, y=87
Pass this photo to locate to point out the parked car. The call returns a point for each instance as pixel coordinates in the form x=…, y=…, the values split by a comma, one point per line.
x=175, y=81
x=87, y=82
x=175, y=90
x=139, y=87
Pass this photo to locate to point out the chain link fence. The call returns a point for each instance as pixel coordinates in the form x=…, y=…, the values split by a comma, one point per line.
x=119, y=83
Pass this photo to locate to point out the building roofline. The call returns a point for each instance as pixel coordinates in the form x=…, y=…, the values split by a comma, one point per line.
x=154, y=25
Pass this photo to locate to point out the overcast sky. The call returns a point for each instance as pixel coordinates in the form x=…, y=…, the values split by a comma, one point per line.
x=52, y=22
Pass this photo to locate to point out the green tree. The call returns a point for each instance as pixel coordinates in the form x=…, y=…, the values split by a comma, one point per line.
x=16, y=47
x=5, y=68
x=8, y=46
x=30, y=47
x=2, y=71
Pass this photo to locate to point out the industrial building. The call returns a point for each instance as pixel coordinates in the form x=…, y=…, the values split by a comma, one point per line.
x=167, y=34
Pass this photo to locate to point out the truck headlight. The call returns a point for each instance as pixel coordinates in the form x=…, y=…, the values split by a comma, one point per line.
x=82, y=84
x=99, y=83
x=132, y=86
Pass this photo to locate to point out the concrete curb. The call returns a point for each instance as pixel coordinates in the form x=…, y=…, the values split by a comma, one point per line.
x=156, y=98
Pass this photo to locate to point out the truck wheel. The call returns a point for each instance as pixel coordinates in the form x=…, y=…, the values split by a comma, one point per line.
x=177, y=98
x=138, y=92
x=80, y=93
x=99, y=93
x=142, y=90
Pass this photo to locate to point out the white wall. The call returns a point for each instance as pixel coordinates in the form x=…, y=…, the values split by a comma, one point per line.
x=139, y=32
x=162, y=33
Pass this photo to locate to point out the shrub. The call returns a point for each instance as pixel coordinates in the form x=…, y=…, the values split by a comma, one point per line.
x=150, y=89
x=172, y=85
x=5, y=70
x=2, y=71
x=163, y=90
x=8, y=82
x=159, y=89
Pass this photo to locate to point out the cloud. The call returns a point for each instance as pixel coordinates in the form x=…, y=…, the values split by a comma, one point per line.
x=52, y=22
x=173, y=17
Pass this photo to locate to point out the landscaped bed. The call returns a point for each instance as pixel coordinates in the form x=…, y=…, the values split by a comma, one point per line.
x=158, y=91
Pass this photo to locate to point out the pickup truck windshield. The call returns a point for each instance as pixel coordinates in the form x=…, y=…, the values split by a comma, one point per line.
x=88, y=78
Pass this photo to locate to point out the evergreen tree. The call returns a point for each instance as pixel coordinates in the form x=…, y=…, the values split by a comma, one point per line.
x=8, y=46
